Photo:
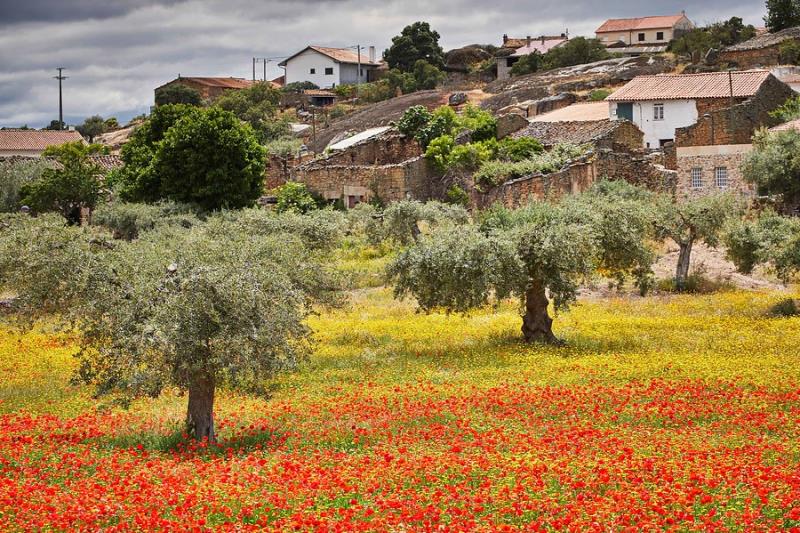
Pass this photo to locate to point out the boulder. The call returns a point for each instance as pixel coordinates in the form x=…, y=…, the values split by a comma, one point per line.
x=457, y=99
x=510, y=123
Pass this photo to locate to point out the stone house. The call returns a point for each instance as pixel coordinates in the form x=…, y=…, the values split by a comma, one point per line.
x=209, y=88
x=378, y=162
x=644, y=35
x=709, y=153
x=31, y=143
x=659, y=105
x=328, y=67
x=513, y=49
x=760, y=51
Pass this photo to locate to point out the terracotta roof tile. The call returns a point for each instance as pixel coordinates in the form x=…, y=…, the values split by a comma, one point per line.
x=537, y=45
x=343, y=55
x=35, y=139
x=641, y=23
x=691, y=86
x=228, y=83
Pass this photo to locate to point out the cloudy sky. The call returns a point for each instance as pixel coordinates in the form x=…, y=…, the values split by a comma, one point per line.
x=117, y=51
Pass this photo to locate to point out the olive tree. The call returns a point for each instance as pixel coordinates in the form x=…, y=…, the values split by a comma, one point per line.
x=689, y=221
x=769, y=239
x=400, y=221
x=537, y=253
x=216, y=305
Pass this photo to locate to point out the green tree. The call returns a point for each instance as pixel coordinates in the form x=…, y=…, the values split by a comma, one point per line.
x=526, y=253
x=689, y=221
x=56, y=125
x=111, y=123
x=417, y=41
x=527, y=64
x=178, y=93
x=66, y=189
x=790, y=52
x=136, y=181
x=258, y=106
x=92, y=127
x=426, y=76
x=774, y=165
x=782, y=14
x=222, y=304
x=209, y=158
x=577, y=51
x=297, y=87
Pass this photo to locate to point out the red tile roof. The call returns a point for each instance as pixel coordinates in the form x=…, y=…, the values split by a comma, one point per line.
x=691, y=86
x=537, y=45
x=35, y=140
x=642, y=23
x=341, y=55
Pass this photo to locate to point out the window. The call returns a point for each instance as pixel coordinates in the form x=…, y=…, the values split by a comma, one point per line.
x=329, y=71
x=312, y=71
x=697, y=178
x=659, y=36
x=658, y=111
x=721, y=177
x=641, y=37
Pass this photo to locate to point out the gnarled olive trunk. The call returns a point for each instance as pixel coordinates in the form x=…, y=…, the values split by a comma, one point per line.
x=537, y=326
x=682, y=270
x=200, y=413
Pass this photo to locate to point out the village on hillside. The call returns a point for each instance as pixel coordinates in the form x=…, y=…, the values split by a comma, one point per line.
x=653, y=100
x=548, y=283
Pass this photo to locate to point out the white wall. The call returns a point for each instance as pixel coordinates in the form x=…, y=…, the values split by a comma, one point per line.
x=349, y=73
x=677, y=114
x=299, y=69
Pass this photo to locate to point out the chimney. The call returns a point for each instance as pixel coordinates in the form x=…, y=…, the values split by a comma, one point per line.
x=505, y=38
x=371, y=54
x=528, y=38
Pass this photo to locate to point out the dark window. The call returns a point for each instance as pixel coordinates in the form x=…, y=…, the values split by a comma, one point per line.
x=641, y=37
x=313, y=71
x=329, y=71
x=660, y=36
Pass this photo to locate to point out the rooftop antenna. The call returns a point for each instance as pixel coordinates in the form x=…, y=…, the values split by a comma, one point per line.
x=60, y=78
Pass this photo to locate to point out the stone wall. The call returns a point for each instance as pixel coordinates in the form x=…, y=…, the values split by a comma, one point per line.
x=390, y=148
x=620, y=135
x=707, y=159
x=749, y=59
x=735, y=125
x=635, y=168
x=410, y=179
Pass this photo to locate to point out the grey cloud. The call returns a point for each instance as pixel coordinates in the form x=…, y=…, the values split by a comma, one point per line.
x=116, y=52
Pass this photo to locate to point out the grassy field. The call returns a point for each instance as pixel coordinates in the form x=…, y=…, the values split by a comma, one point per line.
x=677, y=413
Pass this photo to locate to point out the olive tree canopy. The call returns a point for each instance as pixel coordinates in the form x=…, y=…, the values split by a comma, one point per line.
x=221, y=303
x=542, y=249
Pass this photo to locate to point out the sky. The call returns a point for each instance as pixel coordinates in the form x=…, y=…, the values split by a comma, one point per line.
x=115, y=52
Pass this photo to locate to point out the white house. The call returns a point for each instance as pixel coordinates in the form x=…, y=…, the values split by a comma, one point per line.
x=660, y=104
x=329, y=67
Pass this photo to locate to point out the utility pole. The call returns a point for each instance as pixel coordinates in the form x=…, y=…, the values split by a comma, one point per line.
x=254, y=69
x=60, y=78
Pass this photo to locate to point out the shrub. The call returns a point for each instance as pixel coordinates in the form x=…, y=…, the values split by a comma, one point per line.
x=598, y=95
x=790, y=110
x=494, y=173
x=436, y=127
x=178, y=93
x=455, y=195
x=439, y=150
x=784, y=309
x=127, y=221
x=294, y=198
x=413, y=120
x=285, y=147
x=471, y=156
x=298, y=87
x=510, y=149
x=338, y=111
x=481, y=123
x=14, y=175
x=790, y=52
x=527, y=64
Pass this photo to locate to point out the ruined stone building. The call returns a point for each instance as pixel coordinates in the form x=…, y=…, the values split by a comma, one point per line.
x=760, y=51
